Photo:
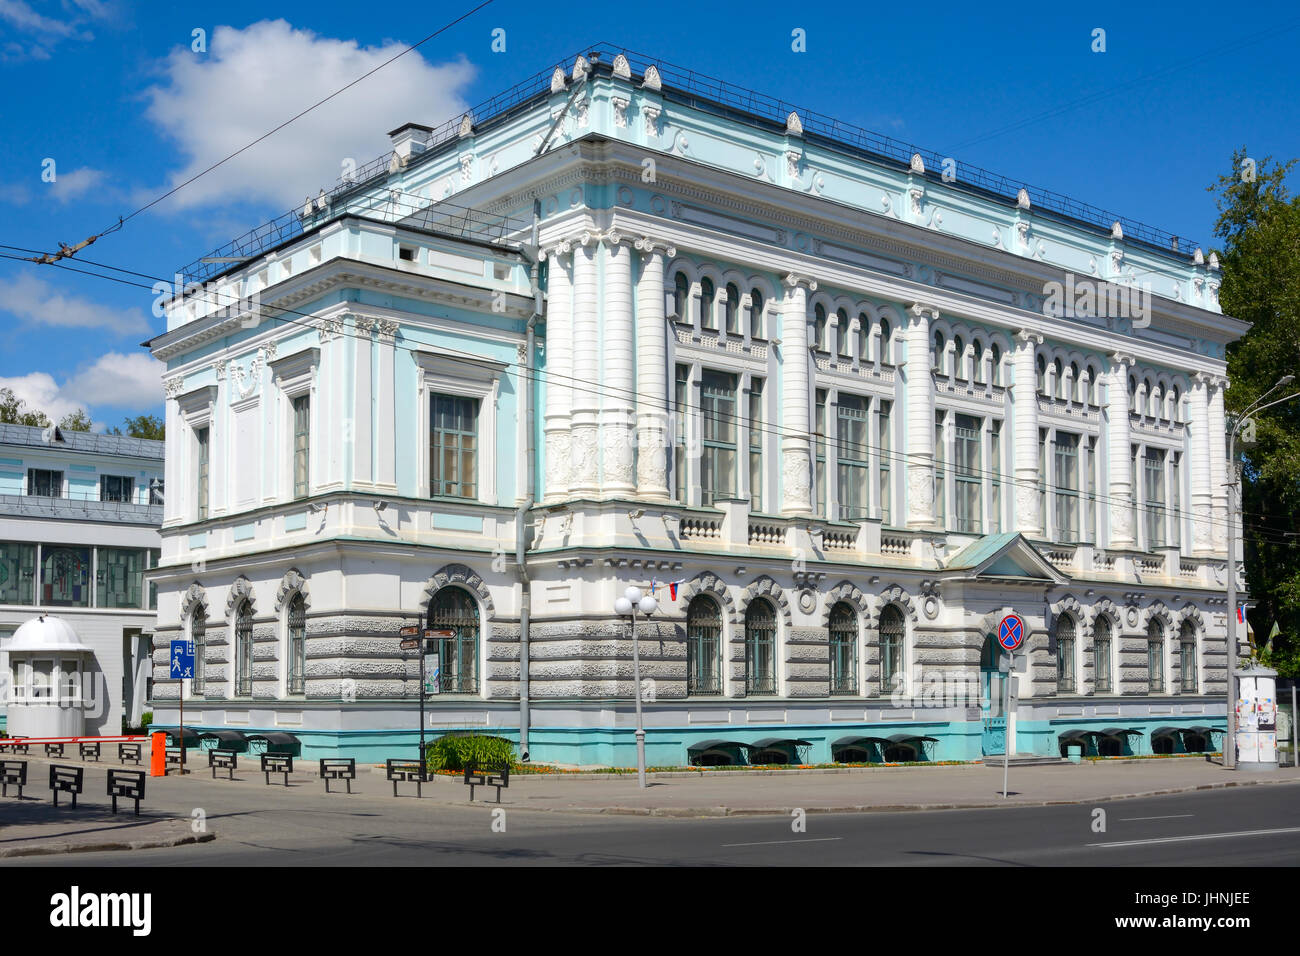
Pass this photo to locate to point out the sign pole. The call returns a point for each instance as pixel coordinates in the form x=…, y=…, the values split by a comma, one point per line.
x=1006, y=715
x=423, y=646
x=180, y=731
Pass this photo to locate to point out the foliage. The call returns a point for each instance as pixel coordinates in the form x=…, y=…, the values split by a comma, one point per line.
x=77, y=421
x=452, y=753
x=142, y=426
x=12, y=413
x=1260, y=225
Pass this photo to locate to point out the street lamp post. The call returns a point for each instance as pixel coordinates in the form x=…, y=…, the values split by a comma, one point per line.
x=1234, y=506
x=627, y=606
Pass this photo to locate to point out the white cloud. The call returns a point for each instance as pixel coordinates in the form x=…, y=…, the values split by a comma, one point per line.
x=69, y=186
x=35, y=302
x=125, y=383
x=252, y=80
x=21, y=16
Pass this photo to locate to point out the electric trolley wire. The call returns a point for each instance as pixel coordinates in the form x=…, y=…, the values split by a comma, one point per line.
x=538, y=375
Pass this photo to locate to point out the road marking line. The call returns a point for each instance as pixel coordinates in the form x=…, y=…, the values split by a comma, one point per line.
x=773, y=842
x=1204, y=836
x=1171, y=816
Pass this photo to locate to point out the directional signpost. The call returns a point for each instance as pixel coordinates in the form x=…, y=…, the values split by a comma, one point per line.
x=182, y=669
x=1011, y=634
x=413, y=637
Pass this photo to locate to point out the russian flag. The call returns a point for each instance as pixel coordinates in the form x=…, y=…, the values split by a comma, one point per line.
x=1241, y=613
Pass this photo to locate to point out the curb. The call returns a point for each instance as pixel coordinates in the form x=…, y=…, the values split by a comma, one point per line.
x=50, y=849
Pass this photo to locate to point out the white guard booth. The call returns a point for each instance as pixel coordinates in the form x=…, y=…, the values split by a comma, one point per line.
x=51, y=673
x=1256, y=718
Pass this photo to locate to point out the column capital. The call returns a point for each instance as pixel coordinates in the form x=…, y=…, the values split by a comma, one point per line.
x=172, y=387
x=1205, y=378
x=562, y=247
x=1029, y=337
x=1121, y=360
x=921, y=310
x=612, y=237
x=792, y=282
x=649, y=246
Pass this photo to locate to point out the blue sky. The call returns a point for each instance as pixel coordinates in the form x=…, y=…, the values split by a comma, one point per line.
x=115, y=95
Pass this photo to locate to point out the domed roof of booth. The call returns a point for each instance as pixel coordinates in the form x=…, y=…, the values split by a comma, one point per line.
x=45, y=633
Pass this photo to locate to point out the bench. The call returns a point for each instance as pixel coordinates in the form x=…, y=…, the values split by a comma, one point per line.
x=498, y=776
x=66, y=780
x=89, y=750
x=338, y=768
x=24, y=747
x=277, y=763
x=128, y=752
x=13, y=773
x=226, y=760
x=126, y=783
x=406, y=771
x=54, y=750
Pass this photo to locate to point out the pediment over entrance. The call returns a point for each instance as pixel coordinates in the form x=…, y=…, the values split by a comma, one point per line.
x=1003, y=556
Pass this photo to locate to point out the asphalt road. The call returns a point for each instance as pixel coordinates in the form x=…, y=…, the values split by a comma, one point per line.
x=1254, y=826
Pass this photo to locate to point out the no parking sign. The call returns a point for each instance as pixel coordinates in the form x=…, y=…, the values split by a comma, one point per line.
x=1011, y=632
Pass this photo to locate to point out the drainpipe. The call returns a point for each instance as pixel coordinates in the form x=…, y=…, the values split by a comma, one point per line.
x=530, y=494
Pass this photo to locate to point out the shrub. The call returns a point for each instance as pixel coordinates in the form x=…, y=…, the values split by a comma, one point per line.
x=452, y=753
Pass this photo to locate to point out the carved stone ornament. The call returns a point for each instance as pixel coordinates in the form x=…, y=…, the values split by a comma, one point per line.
x=292, y=583
x=651, y=114
x=622, y=69
x=706, y=582
x=620, y=104
x=651, y=80
x=240, y=590
x=459, y=575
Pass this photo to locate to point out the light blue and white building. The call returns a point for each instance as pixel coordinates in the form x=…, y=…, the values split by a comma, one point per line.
x=79, y=518
x=842, y=404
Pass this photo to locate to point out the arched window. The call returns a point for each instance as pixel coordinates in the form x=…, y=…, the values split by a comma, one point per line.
x=1075, y=394
x=199, y=637
x=1101, y=656
x=977, y=362
x=844, y=646
x=1065, y=655
x=707, y=297
x=1060, y=379
x=297, y=671
x=760, y=648
x=1187, y=658
x=842, y=333
x=755, y=314
x=1177, y=414
x=936, y=360
x=864, y=338
x=1042, y=375
x=891, y=648
x=681, y=295
x=996, y=377
x=703, y=647
x=732, y=309
x=819, y=328
x=958, y=358
x=244, y=649
x=1156, y=657
x=1092, y=386
x=454, y=609
x=885, y=333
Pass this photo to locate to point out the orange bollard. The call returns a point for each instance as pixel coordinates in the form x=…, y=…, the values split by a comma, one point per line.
x=158, y=755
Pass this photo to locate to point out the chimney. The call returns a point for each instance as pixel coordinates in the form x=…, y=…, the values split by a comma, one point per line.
x=409, y=140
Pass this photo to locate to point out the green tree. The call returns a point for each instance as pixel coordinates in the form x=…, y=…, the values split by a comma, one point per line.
x=11, y=411
x=77, y=421
x=142, y=426
x=1260, y=227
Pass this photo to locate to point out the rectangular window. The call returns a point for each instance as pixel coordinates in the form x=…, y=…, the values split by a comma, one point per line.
x=1187, y=666
x=681, y=395
x=1101, y=665
x=116, y=488
x=42, y=679
x=1065, y=665
x=119, y=577
x=1156, y=666
x=853, y=465
x=756, y=444
x=1042, y=480
x=968, y=472
x=44, y=484
x=1089, y=475
x=68, y=681
x=155, y=556
x=201, y=490
x=301, y=445
x=1153, y=494
x=886, y=497
x=995, y=466
x=453, y=446
x=17, y=572
x=1134, y=489
x=718, y=418
x=1065, y=455
x=940, y=470
x=1175, y=499
x=819, y=473
x=65, y=576
x=22, y=678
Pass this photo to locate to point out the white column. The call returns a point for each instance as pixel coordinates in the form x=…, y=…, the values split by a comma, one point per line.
x=362, y=401
x=1118, y=451
x=176, y=486
x=1199, y=435
x=385, y=402
x=652, y=373
x=220, y=442
x=796, y=423
x=619, y=380
x=333, y=383
x=1028, y=517
x=559, y=370
x=1219, y=466
x=585, y=475
x=920, y=418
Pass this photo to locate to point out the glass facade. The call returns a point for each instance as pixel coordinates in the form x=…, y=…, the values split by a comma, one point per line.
x=17, y=573
x=453, y=446
x=119, y=577
x=65, y=576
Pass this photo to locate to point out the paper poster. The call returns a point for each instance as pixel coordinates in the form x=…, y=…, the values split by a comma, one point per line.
x=1267, y=748
x=1247, y=747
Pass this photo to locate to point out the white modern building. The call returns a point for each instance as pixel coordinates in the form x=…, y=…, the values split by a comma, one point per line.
x=79, y=518
x=843, y=408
